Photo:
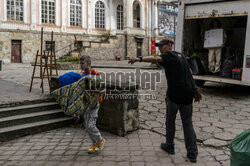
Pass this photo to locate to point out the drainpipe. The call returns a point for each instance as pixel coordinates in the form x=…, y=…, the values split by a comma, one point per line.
x=126, y=8
x=149, y=38
x=154, y=5
x=174, y=31
x=152, y=18
x=126, y=45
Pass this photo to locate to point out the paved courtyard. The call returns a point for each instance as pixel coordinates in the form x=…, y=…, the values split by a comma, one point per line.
x=68, y=147
x=223, y=113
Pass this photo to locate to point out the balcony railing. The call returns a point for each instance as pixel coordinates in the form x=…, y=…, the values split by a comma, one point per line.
x=14, y=25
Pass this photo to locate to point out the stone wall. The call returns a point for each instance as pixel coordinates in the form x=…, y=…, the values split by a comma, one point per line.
x=64, y=43
x=31, y=43
x=119, y=114
x=132, y=47
x=107, y=50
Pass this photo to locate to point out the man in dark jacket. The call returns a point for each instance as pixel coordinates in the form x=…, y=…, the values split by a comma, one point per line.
x=180, y=94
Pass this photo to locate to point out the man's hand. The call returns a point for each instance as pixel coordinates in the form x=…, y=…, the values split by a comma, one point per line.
x=133, y=60
x=197, y=96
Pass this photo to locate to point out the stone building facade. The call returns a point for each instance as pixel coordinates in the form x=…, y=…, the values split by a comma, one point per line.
x=104, y=28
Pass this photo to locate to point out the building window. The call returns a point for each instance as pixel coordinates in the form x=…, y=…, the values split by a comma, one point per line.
x=15, y=10
x=120, y=17
x=78, y=44
x=75, y=13
x=99, y=15
x=136, y=15
x=48, y=11
x=48, y=45
x=139, y=49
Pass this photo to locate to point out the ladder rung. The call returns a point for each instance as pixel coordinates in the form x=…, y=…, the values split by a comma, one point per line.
x=42, y=64
x=36, y=77
x=45, y=76
x=39, y=65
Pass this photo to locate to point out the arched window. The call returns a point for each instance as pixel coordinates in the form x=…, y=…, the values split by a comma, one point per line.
x=99, y=15
x=15, y=10
x=136, y=15
x=48, y=11
x=75, y=13
x=120, y=17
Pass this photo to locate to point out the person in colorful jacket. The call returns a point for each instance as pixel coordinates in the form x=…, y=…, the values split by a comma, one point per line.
x=76, y=99
x=90, y=117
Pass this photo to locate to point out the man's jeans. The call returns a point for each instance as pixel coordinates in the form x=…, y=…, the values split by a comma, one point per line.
x=89, y=120
x=186, y=117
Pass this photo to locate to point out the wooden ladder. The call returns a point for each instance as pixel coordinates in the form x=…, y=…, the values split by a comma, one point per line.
x=45, y=67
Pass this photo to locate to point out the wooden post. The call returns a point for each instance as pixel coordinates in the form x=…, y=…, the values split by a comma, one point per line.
x=52, y=51
x=34, y=69
x=55, y=63
x=79, y=51
x=48, y=75
x=46, y=69
x=78, y=48
x=41, y=68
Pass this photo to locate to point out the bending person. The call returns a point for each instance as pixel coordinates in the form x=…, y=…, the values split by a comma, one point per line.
x=81, y=97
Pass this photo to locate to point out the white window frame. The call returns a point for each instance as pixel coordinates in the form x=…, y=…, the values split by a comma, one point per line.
x=136, y=2
x=81, y=15
x=24, y=9
x=15, y=11
x=104, y=18
x=142, y=15
x=121, y=24
x=55, y=12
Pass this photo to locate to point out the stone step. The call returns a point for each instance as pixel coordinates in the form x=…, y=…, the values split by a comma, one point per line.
x=30, y=117
x=12, y=132
x=25, y=109
x=28, y=102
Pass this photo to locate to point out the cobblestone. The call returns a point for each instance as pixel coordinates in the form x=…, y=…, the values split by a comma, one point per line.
x=203, y=136
x=222, y=157
x=215, y=142
x=153, y=124
x=211, y=129
x=222, y=125
x=224, y=136
x=217, y=118
x=143, y=153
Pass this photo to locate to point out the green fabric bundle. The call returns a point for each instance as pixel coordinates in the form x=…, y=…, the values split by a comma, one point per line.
x=240, y=149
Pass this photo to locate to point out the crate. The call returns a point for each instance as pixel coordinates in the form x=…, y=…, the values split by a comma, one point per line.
x=236, y=74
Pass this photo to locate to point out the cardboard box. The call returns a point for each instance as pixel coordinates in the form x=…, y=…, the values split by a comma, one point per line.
x=213, y=38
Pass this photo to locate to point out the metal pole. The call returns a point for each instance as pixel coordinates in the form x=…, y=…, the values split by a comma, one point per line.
x=174, y=30
x=175, y=15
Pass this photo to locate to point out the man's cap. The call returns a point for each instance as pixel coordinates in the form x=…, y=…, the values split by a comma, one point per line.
x=164, y=42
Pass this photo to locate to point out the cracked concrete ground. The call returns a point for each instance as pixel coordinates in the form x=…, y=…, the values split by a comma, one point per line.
x=223, y=113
